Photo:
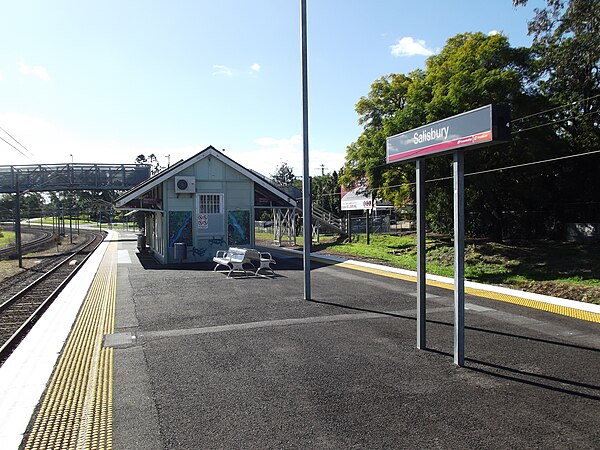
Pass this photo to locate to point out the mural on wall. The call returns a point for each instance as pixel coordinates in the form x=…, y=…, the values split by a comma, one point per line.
x=208, y=247
x=180, y=227
x=238, y=227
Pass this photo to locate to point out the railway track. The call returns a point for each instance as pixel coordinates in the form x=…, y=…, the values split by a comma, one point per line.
x=43, y=238
x=20, y=310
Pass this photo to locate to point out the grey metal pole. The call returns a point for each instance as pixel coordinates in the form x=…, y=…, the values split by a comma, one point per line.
x=306, y=199
x=459, y=258
x=349, y=219
x=421, y=262
x=18, y=221
x=368, y=228
x=71, y=219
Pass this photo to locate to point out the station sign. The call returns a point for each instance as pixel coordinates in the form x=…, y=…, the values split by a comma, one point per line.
x=479, y=127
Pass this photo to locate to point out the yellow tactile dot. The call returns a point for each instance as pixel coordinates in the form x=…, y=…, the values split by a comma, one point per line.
x=529, y=303
x=76, y=411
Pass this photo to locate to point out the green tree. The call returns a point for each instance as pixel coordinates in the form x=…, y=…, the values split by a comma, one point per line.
x=567, y=49
x=32, y=204
x=325, y=192
x=472, y=70
x=284, y=175
x=567, y=46
x=7, y=203
x=390, y=107
x=155, y=166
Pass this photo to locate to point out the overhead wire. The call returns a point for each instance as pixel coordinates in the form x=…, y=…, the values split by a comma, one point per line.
x=15, y=148
x=556, y=121
x=14, y=139
x=480, y=172
x=566, y=105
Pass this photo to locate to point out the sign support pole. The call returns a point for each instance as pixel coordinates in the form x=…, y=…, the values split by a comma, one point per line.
x=459, y=257
x=368, y=228
x=421, y=264
x=349, y=223
x=484, y=126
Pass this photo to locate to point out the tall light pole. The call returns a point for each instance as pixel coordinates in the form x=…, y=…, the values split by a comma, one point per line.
x=306, y=200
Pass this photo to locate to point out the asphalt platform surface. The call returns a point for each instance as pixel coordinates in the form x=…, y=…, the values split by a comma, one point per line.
x=245, y=362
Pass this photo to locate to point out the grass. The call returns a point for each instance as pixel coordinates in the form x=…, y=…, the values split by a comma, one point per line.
x=7, y=238
x=563, y=269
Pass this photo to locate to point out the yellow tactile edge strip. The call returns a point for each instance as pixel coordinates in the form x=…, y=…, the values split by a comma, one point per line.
x=76, y=412
x=529, y=303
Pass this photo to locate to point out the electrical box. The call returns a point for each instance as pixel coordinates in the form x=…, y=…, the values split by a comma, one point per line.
x=185, y=185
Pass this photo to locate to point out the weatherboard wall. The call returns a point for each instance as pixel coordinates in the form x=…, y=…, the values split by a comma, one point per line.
x=202, y=240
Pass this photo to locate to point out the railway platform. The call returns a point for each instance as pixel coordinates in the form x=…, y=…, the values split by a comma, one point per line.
x=135, y=355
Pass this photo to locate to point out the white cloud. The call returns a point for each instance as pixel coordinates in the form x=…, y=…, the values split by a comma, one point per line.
x=271, y=152
x=254, y=68
x=37, y=71
x=52, y=144
x=408, y=46
x=494, y=32
x=221, y=70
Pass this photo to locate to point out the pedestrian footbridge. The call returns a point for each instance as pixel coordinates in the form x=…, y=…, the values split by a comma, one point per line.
x=61, y=177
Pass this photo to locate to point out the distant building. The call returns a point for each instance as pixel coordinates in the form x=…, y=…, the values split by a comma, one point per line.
x=207, y=202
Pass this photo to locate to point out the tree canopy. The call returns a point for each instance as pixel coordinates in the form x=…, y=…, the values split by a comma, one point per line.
x=284, y=175
x=473, y=70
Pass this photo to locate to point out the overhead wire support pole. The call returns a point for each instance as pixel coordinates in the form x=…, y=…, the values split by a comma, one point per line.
x=306, y=199
x=459, y=257
x=18, y=245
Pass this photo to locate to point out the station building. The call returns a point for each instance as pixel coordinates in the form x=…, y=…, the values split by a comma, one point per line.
x=207, y=202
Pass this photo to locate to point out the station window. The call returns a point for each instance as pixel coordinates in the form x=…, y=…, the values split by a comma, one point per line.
x=210, y=204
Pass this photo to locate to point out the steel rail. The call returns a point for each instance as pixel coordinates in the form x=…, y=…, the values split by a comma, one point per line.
x=8, y=346
x=47, y=237
x=45, y=275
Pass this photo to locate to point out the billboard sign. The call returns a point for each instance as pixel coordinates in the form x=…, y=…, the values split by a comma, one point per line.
x=357, y=198
x=482, y=126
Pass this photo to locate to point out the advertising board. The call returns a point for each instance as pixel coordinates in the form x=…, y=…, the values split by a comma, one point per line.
x=357, y=198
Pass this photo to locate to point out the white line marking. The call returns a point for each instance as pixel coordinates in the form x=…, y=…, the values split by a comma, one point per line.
x=123, y=257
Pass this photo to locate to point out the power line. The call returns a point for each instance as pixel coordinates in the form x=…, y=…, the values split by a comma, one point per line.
x=534, y=162
x=15, y=148
x=14, y=139
x=515, y=166
x=555, y=121
x=556, y=108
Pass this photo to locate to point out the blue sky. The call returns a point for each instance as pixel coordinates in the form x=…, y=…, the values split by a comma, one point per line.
x=105, y=81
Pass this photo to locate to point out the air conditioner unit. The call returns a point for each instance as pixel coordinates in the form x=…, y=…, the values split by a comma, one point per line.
x=185, y=185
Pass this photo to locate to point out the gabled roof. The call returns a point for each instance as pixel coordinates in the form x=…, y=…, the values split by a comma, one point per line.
x=176, y=168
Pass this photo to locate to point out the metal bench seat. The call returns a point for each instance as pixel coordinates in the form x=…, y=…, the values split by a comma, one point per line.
x=237, y=259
